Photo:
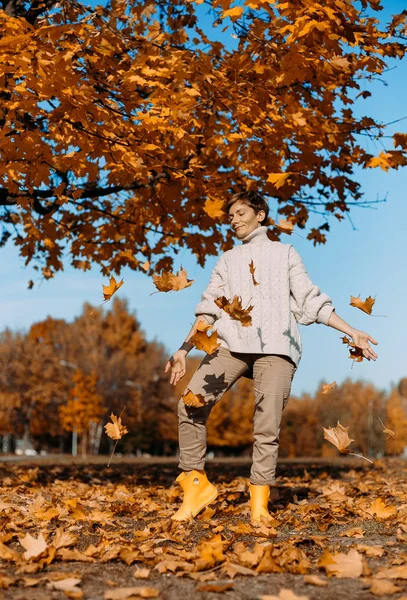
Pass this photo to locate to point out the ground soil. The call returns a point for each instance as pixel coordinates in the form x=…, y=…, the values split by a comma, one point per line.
x=297, y=481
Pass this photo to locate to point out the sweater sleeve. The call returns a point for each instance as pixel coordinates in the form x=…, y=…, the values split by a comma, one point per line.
x=307, y=303
x=217, y=287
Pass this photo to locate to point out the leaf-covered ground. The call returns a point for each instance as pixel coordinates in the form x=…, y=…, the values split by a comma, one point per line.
x=88, y=531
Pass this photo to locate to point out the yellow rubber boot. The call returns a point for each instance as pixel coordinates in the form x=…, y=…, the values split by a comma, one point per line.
x=198, y=493
x=259, y=499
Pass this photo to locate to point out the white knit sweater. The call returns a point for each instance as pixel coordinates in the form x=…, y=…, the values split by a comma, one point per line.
x=284, y=297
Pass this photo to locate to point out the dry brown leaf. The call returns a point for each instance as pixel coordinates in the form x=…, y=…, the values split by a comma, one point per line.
x=115, y=430
x=130, y=592
x=142, y=573
x=384, y=587
x=63, y=539
x=341, y=564
x=168, y=281
x=370, y=550
x=378, y=509
x=191, y=399
x=365, y=305
x=399, y=572
x=34, y=547
x=215, y=587
x=109, y=290
x=284, y=594
x=338, y=436
x=252, y=269
x=235, y=310
x=356, y=532
x=315, y=580
x=386, y=431
x=68, y=586
x=232, y=569
x=327, y=387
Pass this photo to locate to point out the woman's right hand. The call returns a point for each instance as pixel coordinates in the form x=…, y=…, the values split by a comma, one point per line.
x=177, y=364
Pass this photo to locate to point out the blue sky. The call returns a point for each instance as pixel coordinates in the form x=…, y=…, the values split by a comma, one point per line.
x=366, y=256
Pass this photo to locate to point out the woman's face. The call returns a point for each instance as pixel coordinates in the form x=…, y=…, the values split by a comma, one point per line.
x=244, y=219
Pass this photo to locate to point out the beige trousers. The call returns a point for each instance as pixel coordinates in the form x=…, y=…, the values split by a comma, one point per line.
x=272, y=376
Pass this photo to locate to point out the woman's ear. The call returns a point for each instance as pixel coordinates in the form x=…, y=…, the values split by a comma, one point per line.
x=261, y=215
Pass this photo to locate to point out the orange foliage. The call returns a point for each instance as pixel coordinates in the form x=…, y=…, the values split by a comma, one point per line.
x=120, y=123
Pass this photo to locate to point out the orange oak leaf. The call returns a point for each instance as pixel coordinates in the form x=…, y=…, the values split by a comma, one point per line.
x=191, y=399
x=338, y=436
x=115, y=430
x=109, y=290
x=168, y=281
x=327, y=387
x=214, y=207
x=365, y=305
x=235, y=310
x=203, y=341
x=252, y=270
x=278, y=179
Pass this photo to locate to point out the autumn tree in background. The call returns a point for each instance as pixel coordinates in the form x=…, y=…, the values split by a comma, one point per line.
x=396, y=421
x=123, y=127
x=83, y=409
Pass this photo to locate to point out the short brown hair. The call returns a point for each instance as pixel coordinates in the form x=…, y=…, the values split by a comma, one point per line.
x=252, y=199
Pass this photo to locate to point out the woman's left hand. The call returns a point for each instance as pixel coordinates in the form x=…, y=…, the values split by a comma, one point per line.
x=362, y=339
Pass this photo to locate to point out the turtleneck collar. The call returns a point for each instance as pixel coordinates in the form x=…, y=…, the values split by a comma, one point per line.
x=257, y=235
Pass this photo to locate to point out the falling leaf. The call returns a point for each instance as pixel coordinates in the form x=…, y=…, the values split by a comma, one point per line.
x=191, y=399
x=115, y=430
x=285, y=226
x=338, y=436
x=203, y=341
x=327, y=387
x=33, y=547
x=214, y=208
x=252, y=270
x=356, y=354
x=109, y=290
x=234, y=310
x=341, y=564
x=168, y=281
x=386, y=431
x=365, y=305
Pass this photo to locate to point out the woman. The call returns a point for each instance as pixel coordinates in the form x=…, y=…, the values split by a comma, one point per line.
x=271, y=278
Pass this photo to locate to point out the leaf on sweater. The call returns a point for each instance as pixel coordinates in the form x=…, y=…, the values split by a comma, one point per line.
x=115, y=430
x=167, y=281
x=109, y=290
x=202, y=340
x=235, y=310
x=327, y=387
x=365, y=305
x=191, y=399
x=338, y=436
x=252, y=270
